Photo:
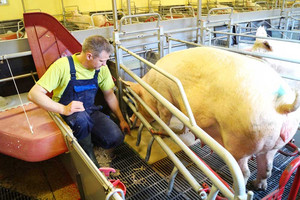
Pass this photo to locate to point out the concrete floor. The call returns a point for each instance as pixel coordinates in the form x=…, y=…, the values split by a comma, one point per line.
x=46, y=180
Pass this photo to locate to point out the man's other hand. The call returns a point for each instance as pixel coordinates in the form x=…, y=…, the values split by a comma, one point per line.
x=74, y=106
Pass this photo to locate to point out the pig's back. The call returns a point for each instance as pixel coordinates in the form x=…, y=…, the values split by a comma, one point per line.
x=222, y=85
x=222, y=72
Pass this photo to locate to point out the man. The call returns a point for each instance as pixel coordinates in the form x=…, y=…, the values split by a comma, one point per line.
x=74, y=81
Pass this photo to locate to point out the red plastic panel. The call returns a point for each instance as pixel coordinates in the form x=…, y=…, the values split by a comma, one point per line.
x=16, y=139
x=48, y=40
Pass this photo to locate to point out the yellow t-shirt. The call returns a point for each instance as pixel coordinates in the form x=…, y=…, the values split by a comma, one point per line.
x=57, y=77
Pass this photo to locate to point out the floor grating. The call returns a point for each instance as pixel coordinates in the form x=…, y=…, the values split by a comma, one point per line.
x=7, y=194
x=145, y=182
x=141, y=181
x=165, y=166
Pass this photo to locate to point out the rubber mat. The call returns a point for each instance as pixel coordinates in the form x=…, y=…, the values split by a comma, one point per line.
x=6, y=194
x=165, y=167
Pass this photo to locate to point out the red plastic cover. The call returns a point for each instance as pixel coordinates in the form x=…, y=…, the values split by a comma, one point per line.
x=48, y=40
x=16, y=139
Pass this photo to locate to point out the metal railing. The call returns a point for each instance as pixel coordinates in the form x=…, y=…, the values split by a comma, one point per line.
x=238, y=179
x=72, y=143
x=190, y=8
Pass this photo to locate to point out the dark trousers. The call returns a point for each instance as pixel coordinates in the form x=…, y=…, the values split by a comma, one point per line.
x=94, y=128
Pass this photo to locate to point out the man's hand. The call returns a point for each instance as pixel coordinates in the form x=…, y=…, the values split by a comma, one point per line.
x=74, y=106
x=125, y=127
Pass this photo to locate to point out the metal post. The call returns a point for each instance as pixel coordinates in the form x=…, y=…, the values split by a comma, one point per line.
x=24, y=10
x=129, y=10
x=63, y=12
x=238, y=37
x=198, y=21
x=169, y=44
x=287, y=23
x=209, y=38
x=161, y=42
x=203, y=31
x=229, y=37
x=116, y=43
x=115, y=14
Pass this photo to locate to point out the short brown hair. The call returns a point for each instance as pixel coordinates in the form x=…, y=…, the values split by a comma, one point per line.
x=96, y=44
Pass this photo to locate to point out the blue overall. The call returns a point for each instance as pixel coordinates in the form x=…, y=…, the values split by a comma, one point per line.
x=91, y=124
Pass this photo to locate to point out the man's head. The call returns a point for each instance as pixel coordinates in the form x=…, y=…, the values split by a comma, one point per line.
x=96, y=50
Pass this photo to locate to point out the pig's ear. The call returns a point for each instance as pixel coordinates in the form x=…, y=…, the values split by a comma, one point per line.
x=267, y=46
x=134, y=86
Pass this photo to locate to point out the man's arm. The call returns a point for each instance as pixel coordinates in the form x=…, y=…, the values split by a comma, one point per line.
x=38, y=95
x=113, y=104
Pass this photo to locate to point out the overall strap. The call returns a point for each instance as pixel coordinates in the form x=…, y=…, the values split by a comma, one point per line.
x=72, y=68
x=96, y=74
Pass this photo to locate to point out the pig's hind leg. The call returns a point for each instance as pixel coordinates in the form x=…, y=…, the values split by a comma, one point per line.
x=264, y=169
x=243, y=163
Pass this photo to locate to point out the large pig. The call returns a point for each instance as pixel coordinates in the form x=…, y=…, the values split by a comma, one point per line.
x=240, y=101
x=280, y=49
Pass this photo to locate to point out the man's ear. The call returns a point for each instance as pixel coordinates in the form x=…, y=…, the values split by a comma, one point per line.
x=89, y=56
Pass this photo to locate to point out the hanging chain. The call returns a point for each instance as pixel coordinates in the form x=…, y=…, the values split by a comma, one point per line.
x=30, y=126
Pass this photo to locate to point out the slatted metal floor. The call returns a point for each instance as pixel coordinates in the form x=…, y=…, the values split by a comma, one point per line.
x=150, y=182
x=6, y=194
x=141, y=181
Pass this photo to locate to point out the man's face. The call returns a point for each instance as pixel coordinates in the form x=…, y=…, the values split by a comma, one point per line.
x=100, y=60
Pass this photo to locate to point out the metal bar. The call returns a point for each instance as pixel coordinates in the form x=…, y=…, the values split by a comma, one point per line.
x=271, y=29
x=34, y=9
x=17, y=77
x=154, y=49
x=284, y=31
x=213, y=192
x=23, y=5
x=172, y=180
x=182, y=30
x=140, y=15
x=149, y=148
x=115, y=14
x=171, y=77
x=243, y=52
x=66, y=131
x=15, y=55
x=199, y=10
x=252, y=36
x=292, y=10
x=142, y=44
x=129, y=10
x=186, y=42
x=190, y=179
x=160, y=44
x=235, y=170
x=63, y=13
x=214, y=9
x=140, y=31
